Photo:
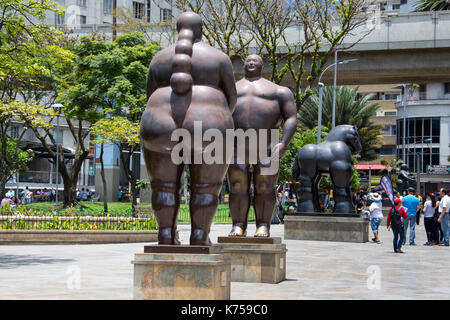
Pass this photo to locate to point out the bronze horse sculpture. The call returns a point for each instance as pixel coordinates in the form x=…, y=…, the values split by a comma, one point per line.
x=332, y=157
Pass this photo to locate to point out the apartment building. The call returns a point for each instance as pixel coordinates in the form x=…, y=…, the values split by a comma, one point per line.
x=425, y=114
x=423, y=133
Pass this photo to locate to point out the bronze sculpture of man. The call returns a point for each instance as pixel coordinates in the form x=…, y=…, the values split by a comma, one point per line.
x=187, y=82
x=261, y=105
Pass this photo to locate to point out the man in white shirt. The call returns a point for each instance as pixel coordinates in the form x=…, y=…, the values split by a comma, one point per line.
x=444, y=217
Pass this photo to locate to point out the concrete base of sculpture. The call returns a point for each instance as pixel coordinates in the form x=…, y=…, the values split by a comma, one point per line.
x=181, y=273
x=255, y=259
x=326, y=227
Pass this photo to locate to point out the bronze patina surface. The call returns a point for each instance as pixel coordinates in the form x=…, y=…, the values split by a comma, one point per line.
x=187, y=82
x=261, y=104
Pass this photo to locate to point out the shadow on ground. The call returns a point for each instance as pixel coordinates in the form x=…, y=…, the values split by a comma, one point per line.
x=12, y=261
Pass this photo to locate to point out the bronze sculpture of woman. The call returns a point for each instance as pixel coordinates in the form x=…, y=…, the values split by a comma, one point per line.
x=188, y=81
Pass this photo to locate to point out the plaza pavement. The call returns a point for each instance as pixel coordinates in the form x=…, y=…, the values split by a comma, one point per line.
x=315, y=270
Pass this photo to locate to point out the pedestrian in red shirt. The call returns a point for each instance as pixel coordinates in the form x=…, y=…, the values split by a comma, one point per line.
x=395, y=219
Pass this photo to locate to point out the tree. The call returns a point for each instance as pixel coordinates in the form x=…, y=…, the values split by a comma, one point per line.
x=127, y=23
x=431, y=5
x=238, y=27
x=31, y=64
x=125, y=135
x=12, y=160
x=110, y=78
x=350, y=109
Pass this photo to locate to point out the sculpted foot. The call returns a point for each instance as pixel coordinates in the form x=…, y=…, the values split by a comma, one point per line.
x=306, y=206
x=262, y=232
x=168, y=236
x=199, y=238
x=344, y=207
x=237, y=231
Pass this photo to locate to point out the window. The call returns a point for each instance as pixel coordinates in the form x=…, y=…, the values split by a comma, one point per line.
x=390, y=113
x=107, y=6
x=395, y=6
x=388, y=130
x=82, y=19
x=403, y=1
x=447, y=87
x=81, y=3
x=419, y=129
x=422, y=92
x=13, y=132
x=387, y=151
x=165, y=14
x=138, y=10
x=149, y=10
x=59, y=19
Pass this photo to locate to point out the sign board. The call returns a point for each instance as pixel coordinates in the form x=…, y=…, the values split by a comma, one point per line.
x=440, y=169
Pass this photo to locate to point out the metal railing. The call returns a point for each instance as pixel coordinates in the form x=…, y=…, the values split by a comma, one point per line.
x=222, y=215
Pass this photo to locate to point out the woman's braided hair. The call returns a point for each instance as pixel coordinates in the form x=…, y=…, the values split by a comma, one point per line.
x=187, y=24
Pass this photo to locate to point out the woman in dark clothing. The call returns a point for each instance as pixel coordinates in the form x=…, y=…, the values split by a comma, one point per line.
x=438, y=234
x=429, y=220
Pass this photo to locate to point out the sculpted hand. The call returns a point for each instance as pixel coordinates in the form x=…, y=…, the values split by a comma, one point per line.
x=279, y=149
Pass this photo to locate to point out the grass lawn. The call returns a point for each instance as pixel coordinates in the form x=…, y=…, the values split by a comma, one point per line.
x=91, y=206
x=124, y=208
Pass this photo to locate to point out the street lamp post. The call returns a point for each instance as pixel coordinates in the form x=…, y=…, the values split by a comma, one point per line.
x=333, y=123
x=321, y=85
x=319, y=121
x=57, y=107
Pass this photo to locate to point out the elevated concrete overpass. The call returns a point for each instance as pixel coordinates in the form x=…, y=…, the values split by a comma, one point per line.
x=407, y=47
x=403, y=47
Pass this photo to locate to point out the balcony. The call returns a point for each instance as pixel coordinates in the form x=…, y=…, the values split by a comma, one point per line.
x=39, y=177
x=390, y=140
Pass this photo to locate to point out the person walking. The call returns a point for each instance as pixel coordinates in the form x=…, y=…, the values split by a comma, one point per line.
x=439, y=235
x=395, y=219
x=419, y=212
x=376, y=214
x=28, y=197
x=428, y=219
x=361, y=206
x=412, y=205
x=444, y=217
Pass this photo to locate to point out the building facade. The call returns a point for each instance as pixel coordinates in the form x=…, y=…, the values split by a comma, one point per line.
x=423, y=133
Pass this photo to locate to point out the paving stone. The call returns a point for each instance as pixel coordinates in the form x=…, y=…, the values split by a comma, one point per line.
x=314, y=270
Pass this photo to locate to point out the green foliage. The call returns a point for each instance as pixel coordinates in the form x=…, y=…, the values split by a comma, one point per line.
x=142, y=184
x=111, y=75
x=117, y=130
x=15, y=160
x=349, y=110
x=32, y=64
x=431, y=5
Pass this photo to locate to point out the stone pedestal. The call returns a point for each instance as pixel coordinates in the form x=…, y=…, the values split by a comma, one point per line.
x=326, y=227
x=255, y=259
x=182, y=273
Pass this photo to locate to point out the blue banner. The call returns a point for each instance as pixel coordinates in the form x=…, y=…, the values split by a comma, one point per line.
x=387, y=186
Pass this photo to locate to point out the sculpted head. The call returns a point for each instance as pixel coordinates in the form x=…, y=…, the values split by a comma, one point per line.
x=253, y=65
x=191, y=21
x=353, y=139
x=348, y=134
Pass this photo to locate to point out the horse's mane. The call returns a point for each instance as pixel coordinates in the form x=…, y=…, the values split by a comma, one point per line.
x=338, y=133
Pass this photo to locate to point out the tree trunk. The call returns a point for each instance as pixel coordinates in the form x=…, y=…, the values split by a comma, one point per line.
x=2, y=189
x=129, y=174
x=102, y=172
x=133, y=194
x=69, y=193
x=70, y=180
